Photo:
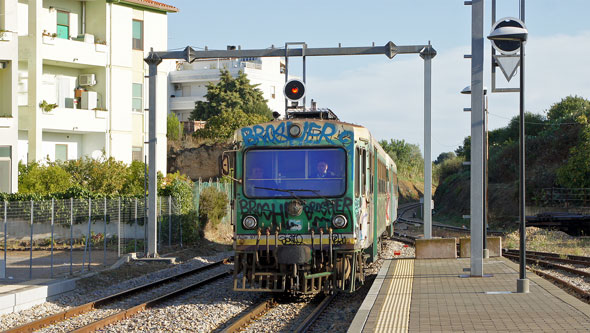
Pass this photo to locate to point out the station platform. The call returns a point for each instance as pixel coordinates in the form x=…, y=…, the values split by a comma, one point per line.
x=437, y=295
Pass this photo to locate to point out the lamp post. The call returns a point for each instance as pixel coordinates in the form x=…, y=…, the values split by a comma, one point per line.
x=520, y=35
x=467, y=91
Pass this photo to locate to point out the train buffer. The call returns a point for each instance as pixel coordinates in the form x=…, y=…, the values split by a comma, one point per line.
x=427, y=295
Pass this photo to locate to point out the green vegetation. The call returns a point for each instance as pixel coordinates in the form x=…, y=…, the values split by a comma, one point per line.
x=557, y=150
x=212, y=205
x=173, y=127
x=231, y=104
x=407, y=157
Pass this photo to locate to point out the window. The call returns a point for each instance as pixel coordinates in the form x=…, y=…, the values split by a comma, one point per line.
x=137, y=35
x=295, y=173
x=137, y=102
x=61, y=152
x=357, y=172
x=63, y=24
x=137, y=154
x=5, y=169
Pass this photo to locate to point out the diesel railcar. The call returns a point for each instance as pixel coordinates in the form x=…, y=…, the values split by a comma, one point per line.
x=312, y=198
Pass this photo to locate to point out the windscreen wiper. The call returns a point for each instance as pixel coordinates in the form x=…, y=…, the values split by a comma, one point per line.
x=316, y=192
x=281, y=190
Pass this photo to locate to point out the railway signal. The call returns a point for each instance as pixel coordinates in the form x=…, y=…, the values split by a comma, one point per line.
x=294, y=90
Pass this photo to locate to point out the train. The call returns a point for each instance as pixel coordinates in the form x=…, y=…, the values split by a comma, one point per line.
x=312, y=198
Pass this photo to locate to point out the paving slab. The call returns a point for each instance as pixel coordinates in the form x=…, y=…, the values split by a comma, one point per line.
x=445, y=299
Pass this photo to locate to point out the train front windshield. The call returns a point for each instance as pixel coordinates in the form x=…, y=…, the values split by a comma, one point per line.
x=295, y=173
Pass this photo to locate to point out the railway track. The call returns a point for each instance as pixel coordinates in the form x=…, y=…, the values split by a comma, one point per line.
x=104, y=302
x=254, y=313
x=315, y=315
x=544, y=259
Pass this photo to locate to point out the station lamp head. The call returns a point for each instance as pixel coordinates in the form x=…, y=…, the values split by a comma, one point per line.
x=294, y=90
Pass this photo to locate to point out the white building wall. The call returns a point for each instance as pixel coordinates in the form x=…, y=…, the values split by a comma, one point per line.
x=8, y=96
x=189, y=83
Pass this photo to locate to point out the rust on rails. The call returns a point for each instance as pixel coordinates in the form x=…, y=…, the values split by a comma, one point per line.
x=251, y=315
x=78, y=310
x=309, y=320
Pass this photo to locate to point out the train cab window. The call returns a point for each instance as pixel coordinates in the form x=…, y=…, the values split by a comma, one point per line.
x=301, y=173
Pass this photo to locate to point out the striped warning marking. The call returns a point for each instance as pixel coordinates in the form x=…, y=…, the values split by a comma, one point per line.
x=395, y=314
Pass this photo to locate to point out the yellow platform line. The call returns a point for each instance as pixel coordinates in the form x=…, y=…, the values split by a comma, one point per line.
x=395, y=314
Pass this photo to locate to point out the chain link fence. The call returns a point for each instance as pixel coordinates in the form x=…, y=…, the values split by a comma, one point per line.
x=62, y=237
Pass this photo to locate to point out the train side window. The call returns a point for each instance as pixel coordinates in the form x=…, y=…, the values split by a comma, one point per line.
x=363, y=180
x=371, y=172
x=357, y=172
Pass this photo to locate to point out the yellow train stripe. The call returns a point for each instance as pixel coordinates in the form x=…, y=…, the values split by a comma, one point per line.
x=305, y=241
x=395, y=314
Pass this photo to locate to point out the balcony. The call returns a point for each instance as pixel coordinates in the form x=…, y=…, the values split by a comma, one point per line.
x=74, y=52
x=79, y=120
x=184, y=103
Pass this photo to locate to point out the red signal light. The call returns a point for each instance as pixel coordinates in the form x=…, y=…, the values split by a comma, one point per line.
x=294, y=90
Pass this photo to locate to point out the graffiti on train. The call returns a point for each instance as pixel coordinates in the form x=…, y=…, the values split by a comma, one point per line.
x=317, y=213
x=310, y=133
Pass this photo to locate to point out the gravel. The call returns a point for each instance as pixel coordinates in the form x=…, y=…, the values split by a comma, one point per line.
x=101, y=285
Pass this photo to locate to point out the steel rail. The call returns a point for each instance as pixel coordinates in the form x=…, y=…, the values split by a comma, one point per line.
x=566, y=284
x=75, y=311
x=251, y=315
x=565, y=258
x=127, y=313
x=315, y=314
x=549, y=265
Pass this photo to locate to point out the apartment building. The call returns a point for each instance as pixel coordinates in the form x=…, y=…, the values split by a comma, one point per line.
x=82, y=86
x=8, y=102
x=189, y=81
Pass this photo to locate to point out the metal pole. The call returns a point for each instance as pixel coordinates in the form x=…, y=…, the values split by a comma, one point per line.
x=486, y=253
x=89, y=236
x=476, y=200
x=169, y=221
x=71, y=234
x=153, y=60
x=119, y=231
x=159, y=221
x=31, y=251
x=52, y=234
x=135, y=229
x=5, y=237
x=427, y=54
x=104, y=244
x=523, y=282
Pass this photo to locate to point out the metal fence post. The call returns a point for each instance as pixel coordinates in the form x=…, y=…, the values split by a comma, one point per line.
x=52, y=234
x=159, y=221
x=169, y=220
x=119, y=231
x=5, y=237
x=71, y=233
x=135, y=229
x=31, y=251
x=179, y=218
x=104, y=243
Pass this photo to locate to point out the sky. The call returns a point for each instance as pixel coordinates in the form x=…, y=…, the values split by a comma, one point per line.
x=384, y=95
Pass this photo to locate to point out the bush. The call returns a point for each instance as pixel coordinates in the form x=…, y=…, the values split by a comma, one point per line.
x=212, y=206
x=174, y=130
x=43, y=180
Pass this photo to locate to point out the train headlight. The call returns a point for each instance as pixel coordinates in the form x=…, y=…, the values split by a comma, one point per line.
x=294, y=130
x=249, y=222
x=339, y=221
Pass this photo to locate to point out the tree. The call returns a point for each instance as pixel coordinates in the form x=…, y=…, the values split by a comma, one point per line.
x=407, y=156
x=569, y=109
x=222, y=126
x=174, y=130
x=444, y=156
x=230, y=95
